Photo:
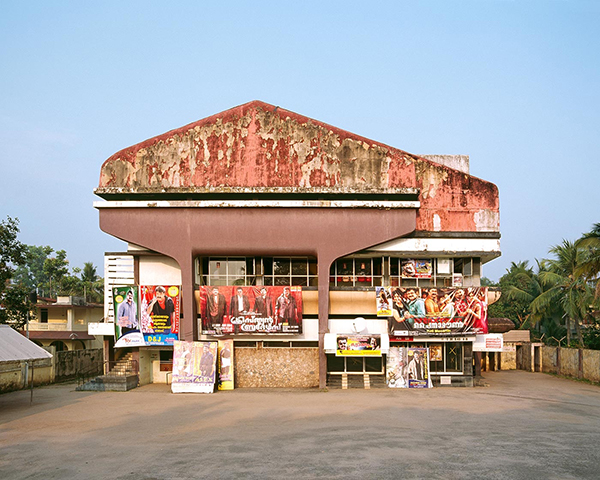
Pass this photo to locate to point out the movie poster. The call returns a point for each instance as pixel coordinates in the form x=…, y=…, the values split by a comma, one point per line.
x=159, y=316
x=416, y=268
x=384, y=301
x=408, y=367
x=194, y=367
x=127, y=329
x=226, y=364
x=438, y=311
x=358, y=345
x=247, y=310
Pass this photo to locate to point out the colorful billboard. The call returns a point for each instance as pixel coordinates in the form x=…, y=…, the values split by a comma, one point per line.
x=384, y=301
x=226, y=364
x=416, y=268
x=408, y=367
x=127, y=327
x=194, y=367
x=247, y=310
x=160, y=307
x=358, y=345
x=438, y=311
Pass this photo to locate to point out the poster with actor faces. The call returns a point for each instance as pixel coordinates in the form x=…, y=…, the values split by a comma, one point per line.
x=227, y=310
x=408, y=367
x=126, y=314
x=438, y=311
x=159, y=313
x=194, y=367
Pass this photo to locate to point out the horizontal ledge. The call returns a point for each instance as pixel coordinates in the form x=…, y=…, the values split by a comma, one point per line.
x=258, y=204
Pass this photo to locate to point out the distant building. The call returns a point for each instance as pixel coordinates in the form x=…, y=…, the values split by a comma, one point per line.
x=261, y=196
x=63, y=323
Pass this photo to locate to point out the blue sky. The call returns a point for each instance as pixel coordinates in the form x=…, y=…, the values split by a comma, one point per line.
x=513, y=84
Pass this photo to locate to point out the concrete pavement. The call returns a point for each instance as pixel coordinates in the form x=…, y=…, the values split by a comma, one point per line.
x=524, y=425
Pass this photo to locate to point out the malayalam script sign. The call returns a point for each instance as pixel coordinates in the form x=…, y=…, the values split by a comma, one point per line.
x=435, y=311
x=248, y=310
x=492, y=342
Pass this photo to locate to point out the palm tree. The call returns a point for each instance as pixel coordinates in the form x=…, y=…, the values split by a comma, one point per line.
x=566, y=288
x=589, y=266
x=92, y=283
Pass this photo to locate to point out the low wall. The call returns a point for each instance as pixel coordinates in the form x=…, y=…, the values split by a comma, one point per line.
x=276, y=367
x=13, y=375
x=73, y=362
x=572, y=362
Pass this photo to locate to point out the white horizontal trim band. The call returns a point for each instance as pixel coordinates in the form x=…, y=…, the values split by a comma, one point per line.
x=257, y=204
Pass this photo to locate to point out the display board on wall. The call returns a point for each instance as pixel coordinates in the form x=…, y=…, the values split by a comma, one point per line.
x=437, y=311
x=416, y=268
x=247, y=310
x=408, y=367
x=226, y=364
x=358, y=345
x=194, y=367
x=146, y=315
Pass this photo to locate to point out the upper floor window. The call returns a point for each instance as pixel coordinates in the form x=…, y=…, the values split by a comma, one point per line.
x=357, y=272
x=300, y=271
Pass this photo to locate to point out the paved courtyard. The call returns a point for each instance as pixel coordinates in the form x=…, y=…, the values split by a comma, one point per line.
x=524, y=425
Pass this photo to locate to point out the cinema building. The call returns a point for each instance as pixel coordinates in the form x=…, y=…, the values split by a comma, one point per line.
x=261, y=196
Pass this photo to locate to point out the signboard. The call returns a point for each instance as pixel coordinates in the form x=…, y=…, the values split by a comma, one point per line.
x=438, y=311
x=226, y=364
x=384, y=301
x=194, y=367
x=247, y=310
x=358, y=345
x=416, y=268
x=492, y=342
x=159, y=318
x=127, y=329
x=408, y=367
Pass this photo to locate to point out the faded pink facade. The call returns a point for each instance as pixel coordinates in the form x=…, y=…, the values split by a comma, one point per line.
x=257, y=147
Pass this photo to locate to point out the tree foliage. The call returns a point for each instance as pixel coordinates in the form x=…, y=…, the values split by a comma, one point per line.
x=14, y=302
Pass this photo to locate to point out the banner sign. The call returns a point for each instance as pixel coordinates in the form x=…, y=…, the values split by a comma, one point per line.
x=438, y=311
x=226, y=364
x=160, y=308
x=248, y=310
x=492, y=342
x=127, y=327
x=416, y=268
x=194, y=367
x=358, y=345
x=384, y=301
x=408, y=367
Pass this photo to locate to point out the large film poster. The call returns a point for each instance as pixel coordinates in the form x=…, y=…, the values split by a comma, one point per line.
x=194, y=367
x=438, y=311
x=408, y=367
x=240, y=310
x=159, y=314
x=226, y=364
x=127, y=328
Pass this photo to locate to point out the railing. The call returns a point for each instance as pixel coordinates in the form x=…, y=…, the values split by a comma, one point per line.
x=121, y=368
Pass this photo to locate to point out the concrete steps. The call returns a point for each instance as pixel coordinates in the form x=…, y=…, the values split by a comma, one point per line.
x=121, y=378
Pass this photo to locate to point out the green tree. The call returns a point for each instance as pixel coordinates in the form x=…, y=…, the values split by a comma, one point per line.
x=31, y=273
x=93, y=284
x=567, y=288
x=14, y=303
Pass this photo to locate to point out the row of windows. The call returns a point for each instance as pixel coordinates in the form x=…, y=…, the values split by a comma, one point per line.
x=446, y=357
x=345, y=272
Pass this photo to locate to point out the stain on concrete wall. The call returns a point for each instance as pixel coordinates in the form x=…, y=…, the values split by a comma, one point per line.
x=257, y=147
x=591, y=365
x=276, y=367
x=70, y=363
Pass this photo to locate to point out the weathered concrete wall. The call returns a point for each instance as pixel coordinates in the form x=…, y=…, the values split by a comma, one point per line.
x=508, y=357
x=569, y=362
x=276, y=367
x=13, y=374
x=549, y=356
x=591, y=365
x=70, y=363
x=259, y=147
